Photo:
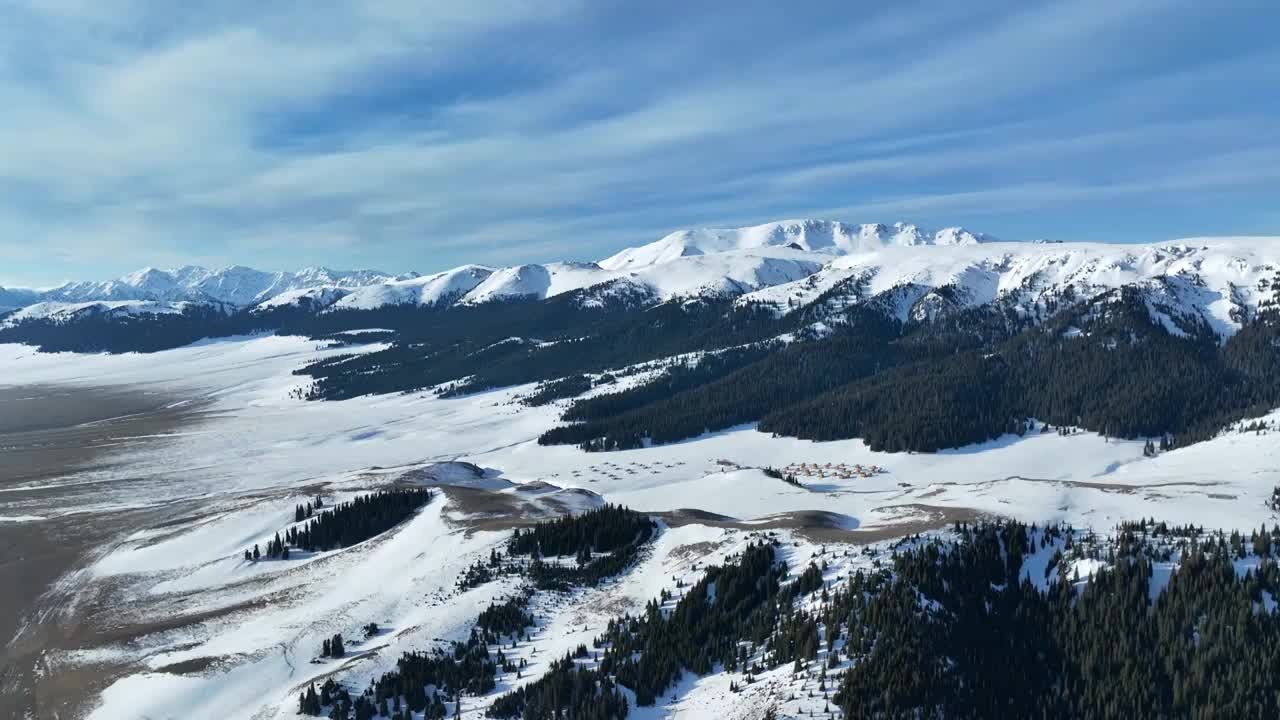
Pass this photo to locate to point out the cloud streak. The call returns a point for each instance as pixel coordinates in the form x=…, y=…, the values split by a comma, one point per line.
x=413, y=135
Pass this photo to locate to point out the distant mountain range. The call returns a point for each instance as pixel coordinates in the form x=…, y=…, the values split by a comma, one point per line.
x=236, y=285
x=908, y=338
x=784, y=265
x=750, y=258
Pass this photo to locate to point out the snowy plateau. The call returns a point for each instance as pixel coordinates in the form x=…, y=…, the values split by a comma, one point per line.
x=208, y=449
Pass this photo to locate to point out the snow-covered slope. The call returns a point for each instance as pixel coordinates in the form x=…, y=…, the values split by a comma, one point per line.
x=426, y=290
x=241, y=638
x=723, y=274
x=911, y=272
x=13, y=298
x=315, y=298
x=1222, y=281
x=822, y=236
x=728, y=273
x=534, y=281
x=62, y=311
x=236, y=285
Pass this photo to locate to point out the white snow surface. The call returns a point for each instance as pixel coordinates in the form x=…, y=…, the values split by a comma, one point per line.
x=316, y=297
x=62, y=311
x=258, y=451
x=722, y=274
x=820, y=236
x=425, y=290
x=1219, y=280
x=235, y=285
x=912, y=272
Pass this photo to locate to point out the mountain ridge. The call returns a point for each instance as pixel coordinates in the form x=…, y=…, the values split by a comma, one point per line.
x=784, y=265
x=812, y=235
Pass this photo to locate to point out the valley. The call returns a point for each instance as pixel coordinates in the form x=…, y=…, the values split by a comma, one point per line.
x=574, y=360
x=223, y=506
x=239, y=636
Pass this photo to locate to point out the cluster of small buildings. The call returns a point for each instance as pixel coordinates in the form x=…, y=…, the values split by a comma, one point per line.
x=614, y=471
x=833, y=470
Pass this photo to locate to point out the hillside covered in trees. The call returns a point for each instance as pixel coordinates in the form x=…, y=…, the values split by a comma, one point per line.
x=845, y=364
x=956, y=627
x=1117, y=373
x=430, y=681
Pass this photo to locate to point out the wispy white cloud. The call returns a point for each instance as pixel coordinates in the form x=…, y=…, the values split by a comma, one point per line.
x=416, y=135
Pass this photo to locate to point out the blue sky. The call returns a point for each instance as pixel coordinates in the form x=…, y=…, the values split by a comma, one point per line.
x=402, y=134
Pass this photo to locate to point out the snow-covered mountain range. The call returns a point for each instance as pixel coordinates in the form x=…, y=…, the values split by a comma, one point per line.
x=819, y=236
x=698, y=262
x=1218, y=282
x=915, y=273
x=236, y=285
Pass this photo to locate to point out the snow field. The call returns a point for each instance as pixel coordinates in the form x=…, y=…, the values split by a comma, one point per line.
x=249, y=458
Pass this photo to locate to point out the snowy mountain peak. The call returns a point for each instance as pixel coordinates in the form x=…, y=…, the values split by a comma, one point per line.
x=427, y=290
x=960, y=236
x=786, y=265
x=821, y=236
x=235, y=285
x=1217, y=284
x=147, y=275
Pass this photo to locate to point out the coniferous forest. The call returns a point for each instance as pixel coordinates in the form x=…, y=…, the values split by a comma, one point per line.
x=955, y=629
x=433, y=681
x=1120, y=375
x=603, y=543
x=1207, y=645
x=362, y=518
x=319, y=528
x=609, y=528
x=951, y=627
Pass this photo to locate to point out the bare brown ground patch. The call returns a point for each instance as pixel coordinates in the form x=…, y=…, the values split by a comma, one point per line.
x=825, y=527
x=1112, y=487
x=489, y=510
x=693, y=550
x=53, y=439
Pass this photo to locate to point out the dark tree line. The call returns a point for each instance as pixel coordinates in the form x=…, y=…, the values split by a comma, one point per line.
x=1114, y=371
x=347, y=524
x=586, y=571
x=745, y=394
x=677, y=378
x=333, y=647
x=475, y=348
x=1000, y=647
x=508, y=618
x=568, y=690
x=97, y=330
x=432, y=682
x=358, y=520
x=548, y=392
x=605, y=529
x=951, y=375
x=303, y=511
x=955, y=630
x=952, y=629
x=646, y=654
x=603, y=543
x=484, y=571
